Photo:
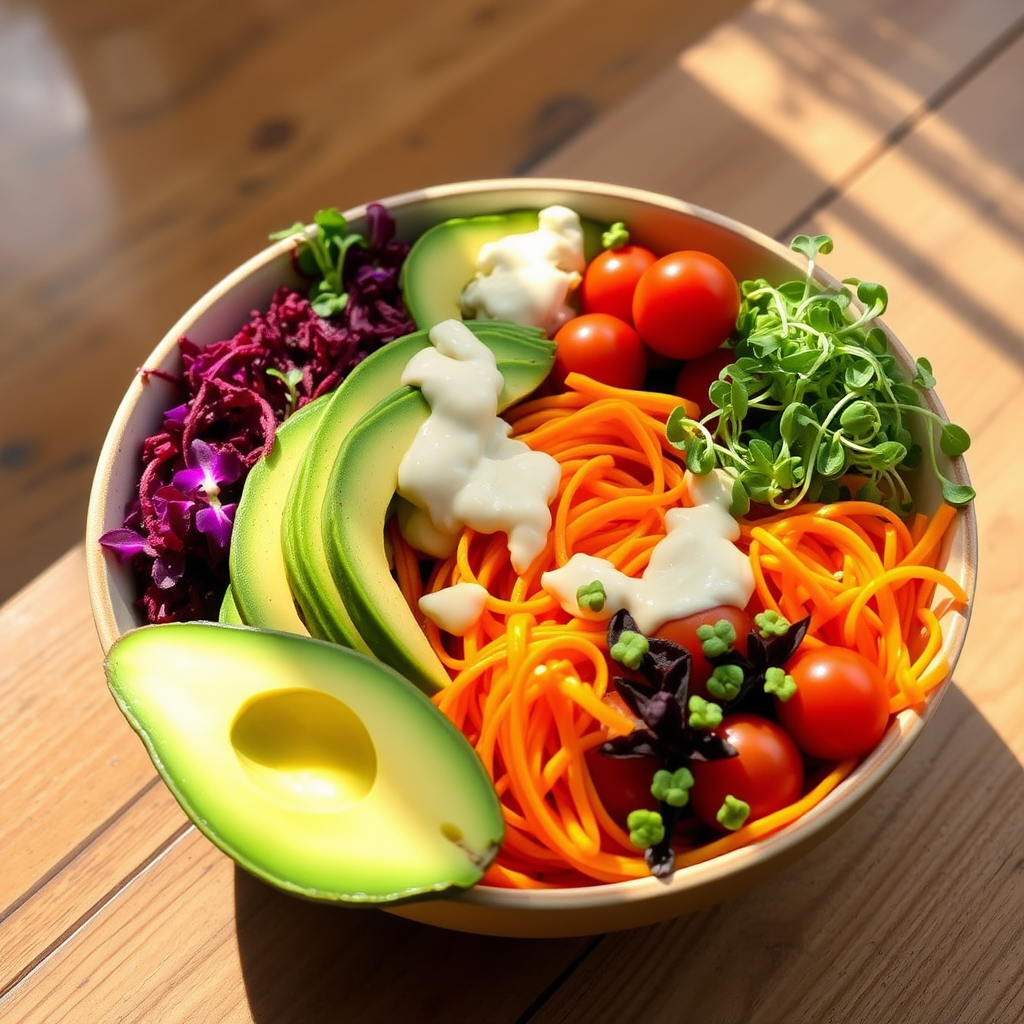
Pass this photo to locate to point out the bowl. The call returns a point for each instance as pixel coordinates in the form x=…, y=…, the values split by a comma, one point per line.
x=663, y=224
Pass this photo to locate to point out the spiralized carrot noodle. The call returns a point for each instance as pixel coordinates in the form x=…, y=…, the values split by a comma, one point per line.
x=528, y=680
x=867, y=581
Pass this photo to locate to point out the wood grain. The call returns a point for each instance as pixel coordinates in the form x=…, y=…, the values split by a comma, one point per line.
x=250, y=953
x=78, y=764
x=890, y=125
x=145, y=160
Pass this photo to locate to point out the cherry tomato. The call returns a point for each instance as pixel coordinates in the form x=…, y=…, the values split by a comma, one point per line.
x=685, y=305
x=610, y=280
x=603, y=347
x=623, y=784
x=697, y=375
x=841, y=705
x=767, y=772
x=684, y=632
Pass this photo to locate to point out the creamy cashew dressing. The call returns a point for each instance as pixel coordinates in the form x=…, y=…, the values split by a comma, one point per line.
x=697, y=566
x=527, y=278
x=462, y=468
x=455, y=609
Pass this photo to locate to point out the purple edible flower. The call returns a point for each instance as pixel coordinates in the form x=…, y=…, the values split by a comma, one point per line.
x=234, y=393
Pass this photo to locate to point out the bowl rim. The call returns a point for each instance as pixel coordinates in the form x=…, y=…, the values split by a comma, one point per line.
x=816, y=822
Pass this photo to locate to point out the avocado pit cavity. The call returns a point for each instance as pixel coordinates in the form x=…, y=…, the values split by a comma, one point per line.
x=305, y=749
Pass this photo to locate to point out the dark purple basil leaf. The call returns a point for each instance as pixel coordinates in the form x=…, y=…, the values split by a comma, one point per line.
x=661, y=858
x=708, y=747
x=639, y=743
x=633, y=694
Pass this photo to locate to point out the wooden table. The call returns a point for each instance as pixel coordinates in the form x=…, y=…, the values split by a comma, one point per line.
x=894, y=125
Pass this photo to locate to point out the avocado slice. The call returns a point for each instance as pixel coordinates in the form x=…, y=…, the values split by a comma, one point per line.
x=524, y=356
x=229, y=610
x=256, y=561
x=314, y=767
x=360, y=490
x=443, y=260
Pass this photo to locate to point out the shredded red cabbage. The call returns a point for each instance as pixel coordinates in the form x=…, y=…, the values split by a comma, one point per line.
x=177, y=530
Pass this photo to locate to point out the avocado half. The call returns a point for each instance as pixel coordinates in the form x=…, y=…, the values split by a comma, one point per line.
x=443, y=260
x=314, y=767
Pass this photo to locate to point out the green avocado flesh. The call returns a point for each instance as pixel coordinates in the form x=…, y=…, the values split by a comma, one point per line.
x=319, y=579
x=314, y=767
x=362, y=484
x=259, y=577
x=443, y=260
x=229, y=610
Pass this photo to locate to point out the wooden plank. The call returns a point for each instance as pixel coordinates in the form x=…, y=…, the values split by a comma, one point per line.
x=948, y=812
x=252, y=954
x=66, y=898
x=71, y=764
x=781, y=103
x=183, y=155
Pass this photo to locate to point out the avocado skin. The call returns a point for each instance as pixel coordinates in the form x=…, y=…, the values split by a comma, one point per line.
x=190, y=690
x=362, y=483
x=524, y=356
x=443, y=260
x=257, y=566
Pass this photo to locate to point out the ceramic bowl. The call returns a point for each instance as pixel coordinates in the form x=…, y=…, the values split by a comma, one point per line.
x=663, y=224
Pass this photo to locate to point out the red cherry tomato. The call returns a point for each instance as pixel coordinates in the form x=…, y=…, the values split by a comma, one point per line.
x=697, y=375
x=684, y=632
x=841, y=705
x=610, y=280
x=685, y=305
x=767, y=772
x=602, y=347
x=623, y=784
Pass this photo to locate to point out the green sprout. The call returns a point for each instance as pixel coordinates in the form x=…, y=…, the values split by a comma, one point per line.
x=704, y=714
x=778, y=683
x=814, y=396
x=646, y=828
x=591, y=596
x=630, y=649
x=672, y=788
x=717, y=639
x=733, y=813
x=726, y=681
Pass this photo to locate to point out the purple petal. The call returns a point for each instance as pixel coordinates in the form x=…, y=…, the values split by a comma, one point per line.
x=172, y=511
x=216, y=522
x=125, y=543
x=189, y=481
x=168, y=570
x=220, y=467
x=176, y=416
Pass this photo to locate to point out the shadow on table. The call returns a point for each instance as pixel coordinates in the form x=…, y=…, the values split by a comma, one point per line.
x=306, y=963
x=955, y=797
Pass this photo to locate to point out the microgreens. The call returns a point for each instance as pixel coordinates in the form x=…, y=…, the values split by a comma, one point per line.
x=321, y=255
x=815, y=399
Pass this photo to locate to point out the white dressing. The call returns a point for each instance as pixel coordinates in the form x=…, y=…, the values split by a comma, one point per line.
x=695, y=567
x=455, y=609
x=527, y=278
x=462, y=468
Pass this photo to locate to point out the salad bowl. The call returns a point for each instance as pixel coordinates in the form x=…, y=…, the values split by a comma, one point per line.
x=663, y=224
